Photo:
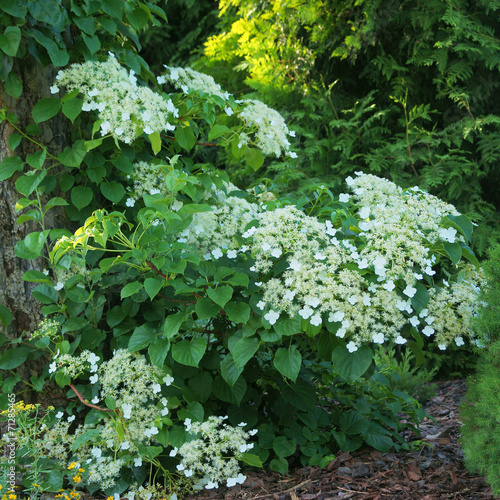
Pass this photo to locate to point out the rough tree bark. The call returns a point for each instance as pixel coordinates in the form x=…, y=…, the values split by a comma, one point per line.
x=14, y=292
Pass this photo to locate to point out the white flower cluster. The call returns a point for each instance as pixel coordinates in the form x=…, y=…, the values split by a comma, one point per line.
x=125, y=109
x=264, y=123
x=216, y=230
x=212, y=457
x=364, y=283
x=148, y=179
x=136, y=386
x=269, y=128
x=188, y=80
x=400, y=225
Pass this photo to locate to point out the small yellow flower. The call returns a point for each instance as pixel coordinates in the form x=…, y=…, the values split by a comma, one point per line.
x=73, y=494
x=77, y=479
x=72, y=465
x=109, y=498
x=81, y=470
x=12, y=496
x=50, y=408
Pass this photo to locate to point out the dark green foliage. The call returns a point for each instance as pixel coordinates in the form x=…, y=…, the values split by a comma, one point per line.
x=180, y=41
x=403, y=373
x=488, y=322
x=481, y=407
x=406, y=89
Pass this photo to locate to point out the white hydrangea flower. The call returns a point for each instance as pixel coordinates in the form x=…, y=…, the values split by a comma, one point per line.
x=352, y=347
x=127, y=410
x=272, y=317
x=410, y=291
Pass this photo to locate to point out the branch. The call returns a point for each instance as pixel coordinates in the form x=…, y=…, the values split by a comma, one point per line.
x=154, y=268
x=80, y=397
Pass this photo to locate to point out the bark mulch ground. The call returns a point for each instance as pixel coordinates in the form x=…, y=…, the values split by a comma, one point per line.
x=434, y=471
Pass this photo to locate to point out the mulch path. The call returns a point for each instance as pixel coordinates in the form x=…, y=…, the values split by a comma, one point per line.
x=435, y=471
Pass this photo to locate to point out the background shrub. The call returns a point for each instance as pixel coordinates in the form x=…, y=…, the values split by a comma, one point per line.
x=481, y=407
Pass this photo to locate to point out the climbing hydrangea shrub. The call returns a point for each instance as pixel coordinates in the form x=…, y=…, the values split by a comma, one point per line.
x=182, y=299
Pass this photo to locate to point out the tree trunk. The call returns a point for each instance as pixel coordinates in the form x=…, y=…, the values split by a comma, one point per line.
x=14, y=292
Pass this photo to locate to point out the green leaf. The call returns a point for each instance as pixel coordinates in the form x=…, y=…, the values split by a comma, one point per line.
x=454, y=251
x=141, y=338
x=26, y=184
x=81, y=196
x=90, y=435
x=288, y=362
x=13, y=86
x=239, y=312
x=279, y=465
x=14, y=357
x=243, y=350
x=353, y=422
x=185, y=138
x=230, y=394
x=188, y=352
x=112, y=190
x=113, y=8
x=5, y=315
x=300, y=394
x=9, y=165
x=220, y=295
x=288, y=326
x=155, y=142
x=14, y=8
x=131, y=288
x=229, y=371
x=46, y=108
x=72, y=108
x=206, y=308
x=172, y=324
x=95, y=143
x=153, y=286
x=284, y=447
x=49, y=12
x=36, y=160
x=380, y=442
x=421, y=298
x=35, y=241
x=73, y=157
x=55, y=202
x=158, y=350
x=45, y=294
x=86, y=24
x=62, y=379
x=250, y=459
x=9, y=41
x=58, y=56
x=217, y=131
x=254, y=158
x=14, y=141
x=463, y=224
x=52, y=481
x=92, y=43
x=351, y=365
